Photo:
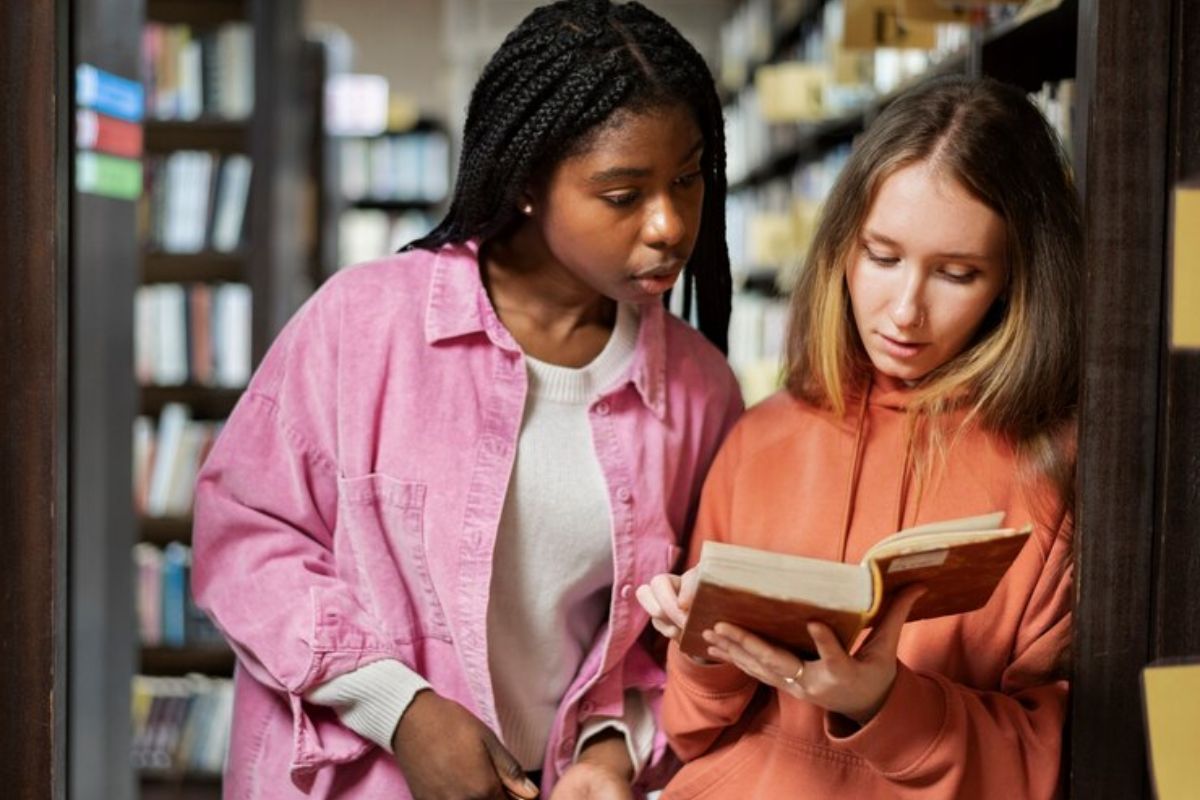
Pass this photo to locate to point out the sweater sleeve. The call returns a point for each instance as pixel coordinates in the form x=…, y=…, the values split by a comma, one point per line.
x=371, y=700
x=700, y=700
x=934, y=736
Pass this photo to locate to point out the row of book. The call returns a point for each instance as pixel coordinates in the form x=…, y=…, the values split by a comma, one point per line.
x=195, y=200
x=192, y=73
x=181, y=725
x=365, y=234
x=193, y=334
x=166, y=614
x=167, y=454
x=770, y=224
x=406, y=167
x=757, y=335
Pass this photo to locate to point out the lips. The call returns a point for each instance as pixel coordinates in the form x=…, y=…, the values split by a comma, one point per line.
x=658, y=279
x=901, y=349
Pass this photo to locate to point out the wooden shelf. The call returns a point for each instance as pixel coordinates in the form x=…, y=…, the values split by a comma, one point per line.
x=206, y=267
x=1029, y=52
x=206, y=402
x=180, y=787
x=209, y=12
x=395, y=205
x=221, y=135
x=214, y=659
x=164, y=530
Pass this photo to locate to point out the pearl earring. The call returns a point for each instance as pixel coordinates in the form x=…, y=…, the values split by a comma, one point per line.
x=527, y=209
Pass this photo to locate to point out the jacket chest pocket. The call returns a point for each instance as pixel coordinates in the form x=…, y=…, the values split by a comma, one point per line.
x=380, y=547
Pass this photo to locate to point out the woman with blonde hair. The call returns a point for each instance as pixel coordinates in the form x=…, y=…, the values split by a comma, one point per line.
x=932, y=374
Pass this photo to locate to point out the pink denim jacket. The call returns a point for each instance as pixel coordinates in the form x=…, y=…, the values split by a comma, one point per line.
x=349, y=510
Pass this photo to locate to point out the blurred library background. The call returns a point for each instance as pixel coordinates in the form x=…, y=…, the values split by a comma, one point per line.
x=230, y=155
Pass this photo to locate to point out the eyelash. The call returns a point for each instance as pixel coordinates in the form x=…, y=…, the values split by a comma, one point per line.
x=628, y=198
x=887, y=261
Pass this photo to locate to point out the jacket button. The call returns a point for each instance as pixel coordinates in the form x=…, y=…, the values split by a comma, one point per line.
x=602, y=408
x=624, y=495
x=627, y=590
x=587, y=706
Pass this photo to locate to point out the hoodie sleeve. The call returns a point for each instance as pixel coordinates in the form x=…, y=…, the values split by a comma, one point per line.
x=936, y=737
x=702, y=700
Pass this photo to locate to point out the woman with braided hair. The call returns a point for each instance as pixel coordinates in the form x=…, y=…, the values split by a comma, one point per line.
x=422, y=525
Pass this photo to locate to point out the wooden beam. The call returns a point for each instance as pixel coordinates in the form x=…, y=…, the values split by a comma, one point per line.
x=33, y=398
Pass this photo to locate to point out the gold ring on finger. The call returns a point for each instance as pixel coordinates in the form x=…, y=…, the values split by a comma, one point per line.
x=792, y=680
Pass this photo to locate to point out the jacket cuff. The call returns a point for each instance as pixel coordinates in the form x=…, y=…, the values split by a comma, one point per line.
x=371, y=700
x=636, y=725
x=708, y=680
x=907, y=727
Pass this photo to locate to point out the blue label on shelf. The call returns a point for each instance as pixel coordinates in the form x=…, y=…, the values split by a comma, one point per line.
x=108, y=93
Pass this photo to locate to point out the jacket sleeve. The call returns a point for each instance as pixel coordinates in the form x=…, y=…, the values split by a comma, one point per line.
x=701, y=701
x=936, y=737
x=265, y=512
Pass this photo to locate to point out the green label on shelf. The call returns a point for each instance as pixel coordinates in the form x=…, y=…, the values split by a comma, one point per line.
x=97, y=173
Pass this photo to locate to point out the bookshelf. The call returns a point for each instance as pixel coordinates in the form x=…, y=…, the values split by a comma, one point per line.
x=232, y=95
x=389, y=189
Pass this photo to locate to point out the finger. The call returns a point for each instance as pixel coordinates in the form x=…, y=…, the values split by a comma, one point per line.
x=508, y=770
x=658, y=618
x=830, y=649
x=886, y=638
x=688, y=583
x=774, y=660
x=732, y=654
x=745, y=660
x=666, y=592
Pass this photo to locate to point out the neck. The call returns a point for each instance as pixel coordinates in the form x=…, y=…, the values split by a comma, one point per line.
x=553, y=315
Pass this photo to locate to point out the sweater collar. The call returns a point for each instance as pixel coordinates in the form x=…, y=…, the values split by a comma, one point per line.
x=458, y=305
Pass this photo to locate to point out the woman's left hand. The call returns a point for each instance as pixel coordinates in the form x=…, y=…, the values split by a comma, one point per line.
x=602, y=772
x=854, y=686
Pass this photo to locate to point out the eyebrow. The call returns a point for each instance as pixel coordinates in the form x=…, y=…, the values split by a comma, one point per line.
x=959, y=254
x=620, y=173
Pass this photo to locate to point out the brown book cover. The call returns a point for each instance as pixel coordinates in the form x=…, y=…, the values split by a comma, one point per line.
x=775, y=595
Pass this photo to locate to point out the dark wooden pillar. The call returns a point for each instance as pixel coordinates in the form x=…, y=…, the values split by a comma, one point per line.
x=33, y=398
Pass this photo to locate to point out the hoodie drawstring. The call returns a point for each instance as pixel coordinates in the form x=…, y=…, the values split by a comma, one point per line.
x=860, y=445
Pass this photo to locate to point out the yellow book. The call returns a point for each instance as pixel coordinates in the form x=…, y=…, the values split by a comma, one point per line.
x=775, y=595
x=1171, y=700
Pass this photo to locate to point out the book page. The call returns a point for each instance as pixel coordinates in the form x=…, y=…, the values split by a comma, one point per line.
x=829, y=584
x=942, y=534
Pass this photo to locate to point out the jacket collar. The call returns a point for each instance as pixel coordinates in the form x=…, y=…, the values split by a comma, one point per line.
x=458, y=305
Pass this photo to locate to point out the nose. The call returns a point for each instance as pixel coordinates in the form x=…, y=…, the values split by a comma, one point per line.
x=908, y=311
x=665, y=225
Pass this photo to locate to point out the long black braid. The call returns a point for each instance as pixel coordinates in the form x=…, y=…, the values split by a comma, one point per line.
x=558, y=75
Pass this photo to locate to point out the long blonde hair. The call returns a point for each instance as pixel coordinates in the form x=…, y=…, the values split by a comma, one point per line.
x=1019, y=377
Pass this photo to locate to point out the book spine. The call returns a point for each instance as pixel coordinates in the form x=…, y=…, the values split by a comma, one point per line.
x=108, y=176
x=95, y=131
x=109, y=94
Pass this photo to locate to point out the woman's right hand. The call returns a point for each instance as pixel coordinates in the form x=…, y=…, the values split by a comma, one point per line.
x=667, y=599
x=445, y=753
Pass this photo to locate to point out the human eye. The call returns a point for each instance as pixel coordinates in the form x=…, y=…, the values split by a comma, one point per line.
x=959, y=275
x=690, y=179
x=881, y=259
x=620, y=199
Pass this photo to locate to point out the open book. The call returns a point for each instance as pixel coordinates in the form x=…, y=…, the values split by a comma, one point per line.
x=959, y=561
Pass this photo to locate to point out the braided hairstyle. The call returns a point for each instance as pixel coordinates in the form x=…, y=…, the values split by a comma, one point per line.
x=558, y=76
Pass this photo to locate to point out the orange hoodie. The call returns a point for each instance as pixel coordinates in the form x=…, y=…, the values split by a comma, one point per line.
x=979, y=700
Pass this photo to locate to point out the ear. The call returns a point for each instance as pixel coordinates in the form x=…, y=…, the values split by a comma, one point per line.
x=525, y=203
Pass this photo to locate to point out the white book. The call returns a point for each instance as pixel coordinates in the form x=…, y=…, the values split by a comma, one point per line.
x=232, y=310
x=171, y=424
x=145, y=333
x=171, y=353
x=233, y=189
